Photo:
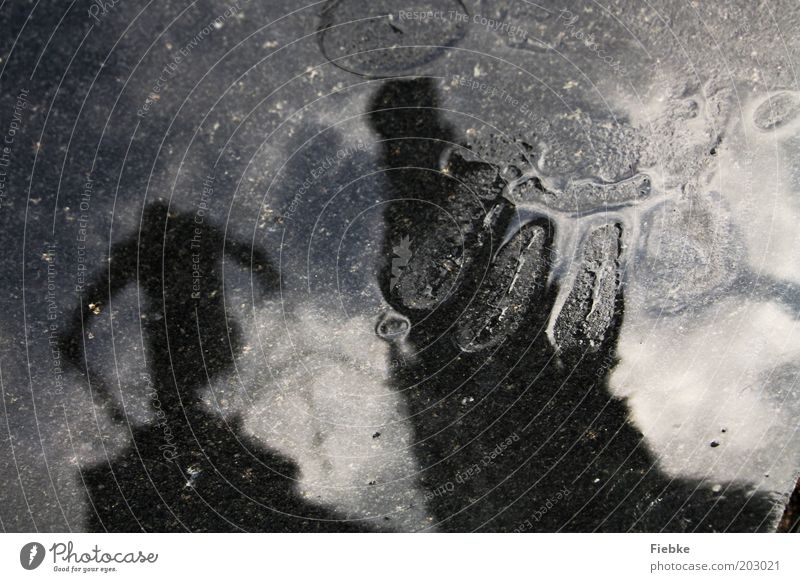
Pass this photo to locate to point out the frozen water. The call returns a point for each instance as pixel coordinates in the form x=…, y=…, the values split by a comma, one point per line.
x=710, y=344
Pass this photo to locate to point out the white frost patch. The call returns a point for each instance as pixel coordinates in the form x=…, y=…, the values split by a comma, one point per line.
x=710, y=346
x=729, y=377
x=314, y=388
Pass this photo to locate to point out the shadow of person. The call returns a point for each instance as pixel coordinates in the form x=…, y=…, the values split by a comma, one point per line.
x=511, y=433
x=190, y=469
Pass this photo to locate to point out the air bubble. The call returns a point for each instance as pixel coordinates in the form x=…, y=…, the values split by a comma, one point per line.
x=392, y=327
x=776, y=111
x=376, y=39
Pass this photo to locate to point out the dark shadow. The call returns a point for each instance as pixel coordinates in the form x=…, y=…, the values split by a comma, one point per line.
x=512, y=437
x=790, y=522
x=190, y=470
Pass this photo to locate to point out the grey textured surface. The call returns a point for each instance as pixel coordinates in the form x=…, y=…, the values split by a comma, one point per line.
x=281, y=267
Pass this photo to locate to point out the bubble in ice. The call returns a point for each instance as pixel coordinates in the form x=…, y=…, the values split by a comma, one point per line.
x=392, y=326
x=591, y=305
x=582, y=196
x=678, y=272
x=378, y=38
x=514, y=280
x=777, y=110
